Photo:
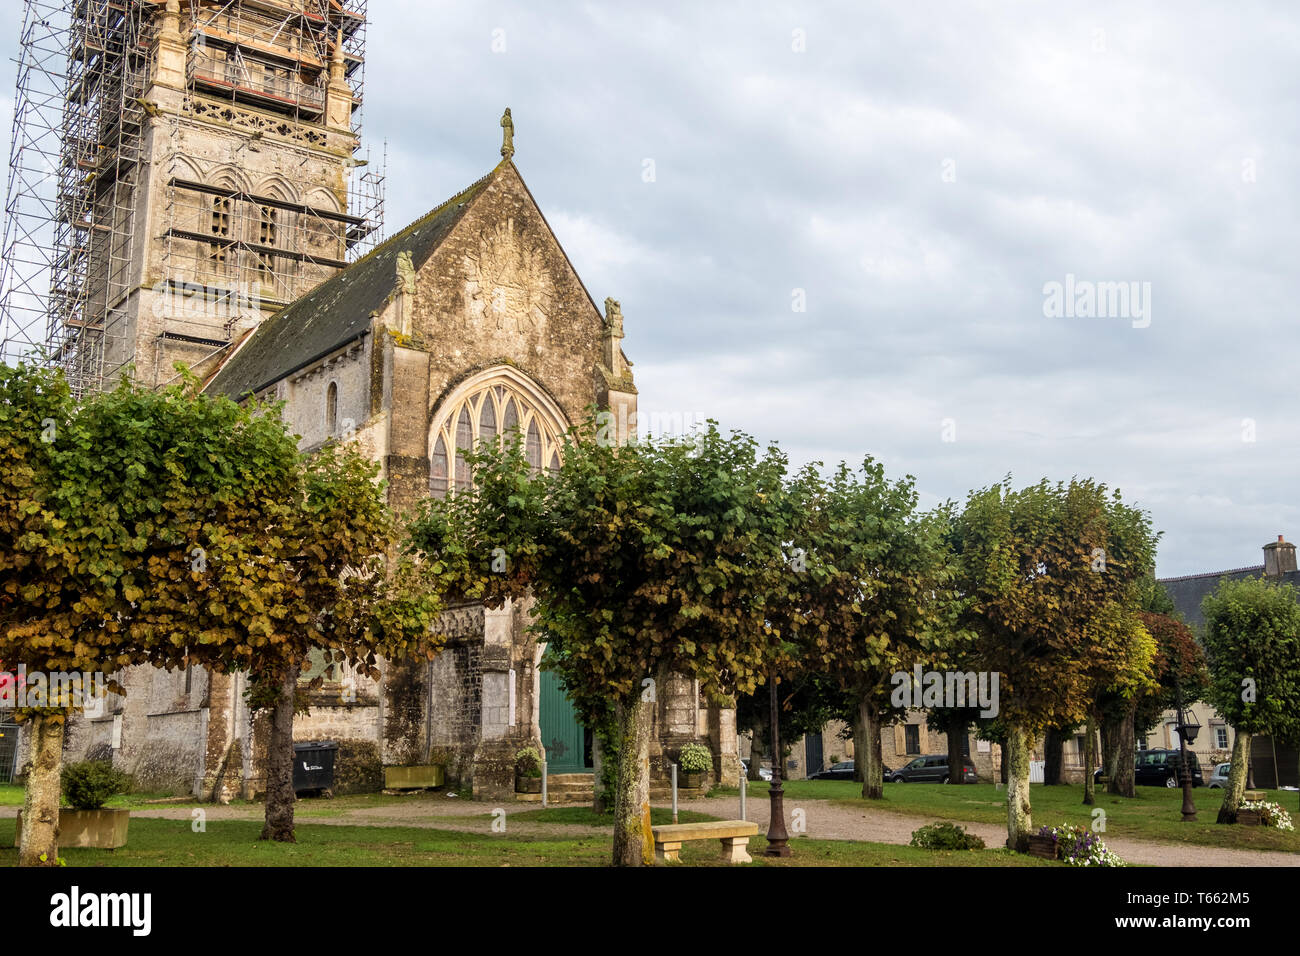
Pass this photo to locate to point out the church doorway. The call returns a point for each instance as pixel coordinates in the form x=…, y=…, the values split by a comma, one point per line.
x=567, y=742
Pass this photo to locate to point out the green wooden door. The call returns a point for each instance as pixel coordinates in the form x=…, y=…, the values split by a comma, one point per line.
x=561, y=732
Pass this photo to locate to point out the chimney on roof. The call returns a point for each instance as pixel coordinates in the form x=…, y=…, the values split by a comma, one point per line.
x=1279, y=557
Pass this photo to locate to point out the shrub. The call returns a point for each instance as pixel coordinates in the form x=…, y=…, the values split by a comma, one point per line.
x=89, y=785
x=528, y=762
x=695, y=758
x=1080, y=847
x=945, y=836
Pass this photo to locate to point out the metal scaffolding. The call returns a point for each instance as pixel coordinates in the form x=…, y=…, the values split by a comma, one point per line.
x=76, y=259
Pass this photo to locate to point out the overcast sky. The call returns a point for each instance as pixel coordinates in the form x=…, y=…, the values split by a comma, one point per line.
x=914, y=175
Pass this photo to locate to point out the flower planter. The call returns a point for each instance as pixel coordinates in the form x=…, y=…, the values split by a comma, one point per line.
x=1045, y=848
x=528, y=784
x=690, y=781
x=1250, y=818
x=88, y=829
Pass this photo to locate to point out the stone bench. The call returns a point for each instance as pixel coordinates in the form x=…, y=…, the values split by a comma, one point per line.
x=734, y=835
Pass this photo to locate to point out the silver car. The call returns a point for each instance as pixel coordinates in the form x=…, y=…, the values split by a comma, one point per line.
x=1219, y=778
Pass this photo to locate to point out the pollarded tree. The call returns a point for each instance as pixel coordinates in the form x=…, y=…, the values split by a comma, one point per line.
x=107, y=506
x=313, y=574
x=645, y=559
x=1049, y=572
x=876, y=595
x=1252, y=644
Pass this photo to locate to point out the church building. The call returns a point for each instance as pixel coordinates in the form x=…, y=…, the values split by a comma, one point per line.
x=465, y=325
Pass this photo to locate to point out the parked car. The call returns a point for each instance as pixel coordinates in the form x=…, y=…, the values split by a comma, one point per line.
x=1219, y=777
x=932, y=768
x=1162, y=768
x=764, y=773
x=1159, y=768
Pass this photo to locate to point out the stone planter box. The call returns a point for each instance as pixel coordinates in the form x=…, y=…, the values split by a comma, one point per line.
x=414, y=778
x=1045, y=848
x=89, y=829
x=528, y=784
x=1250, y=818
x=690, y=781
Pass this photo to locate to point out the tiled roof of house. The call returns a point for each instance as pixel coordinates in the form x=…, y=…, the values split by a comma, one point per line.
x=1188, y=591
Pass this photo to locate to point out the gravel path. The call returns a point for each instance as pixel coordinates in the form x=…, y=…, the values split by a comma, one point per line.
x=828, y=821
x=824, y=821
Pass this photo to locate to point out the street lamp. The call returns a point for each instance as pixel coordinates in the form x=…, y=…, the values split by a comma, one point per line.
x=1187, y=728
x=778, y=841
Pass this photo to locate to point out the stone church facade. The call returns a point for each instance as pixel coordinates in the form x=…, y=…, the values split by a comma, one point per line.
x=468, y=323
x=226, y=207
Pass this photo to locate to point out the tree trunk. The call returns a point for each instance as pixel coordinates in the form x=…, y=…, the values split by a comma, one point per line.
x=1089, y=761
x=956, y=732
x=597, y=773
x=860, y=744
x=1016, y=760
x=1053, y=747
x=873, y=778
x=756, y=750
x=633, y=840
x=1124, y=759
x=40, y=836
x=1235, y=791
x=1002, y=762
x=1111, y=731
x=280, y=797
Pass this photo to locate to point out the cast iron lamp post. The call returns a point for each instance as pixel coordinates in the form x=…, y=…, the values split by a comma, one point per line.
x=778, y=841
x=1187, y=729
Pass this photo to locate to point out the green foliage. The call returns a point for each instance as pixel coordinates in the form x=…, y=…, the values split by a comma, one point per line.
x=1252, y=644
x=695, y=758
x=645, y=559
x=528, y=762
x=92, y=783
x=945, y=836
x=1178, y=670
x=1051, y=575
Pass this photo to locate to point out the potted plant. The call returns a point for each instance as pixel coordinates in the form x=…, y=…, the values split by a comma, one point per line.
x=528, y=771
x=87, y=787
x=694, y=761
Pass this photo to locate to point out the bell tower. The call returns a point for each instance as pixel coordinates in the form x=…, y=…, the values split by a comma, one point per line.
x=206, y=173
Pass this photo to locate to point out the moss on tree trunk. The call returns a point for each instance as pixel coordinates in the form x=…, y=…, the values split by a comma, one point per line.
x=1019, y=819
x=279, y=765
x=872, y=774
x=40, y=836
x=633, y=840
x=1235, y=791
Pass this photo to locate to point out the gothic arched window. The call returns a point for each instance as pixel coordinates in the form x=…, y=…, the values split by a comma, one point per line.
x=491, y=407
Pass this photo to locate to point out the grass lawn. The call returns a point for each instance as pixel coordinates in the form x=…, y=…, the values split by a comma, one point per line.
x=234, y=843
x=1154, y=814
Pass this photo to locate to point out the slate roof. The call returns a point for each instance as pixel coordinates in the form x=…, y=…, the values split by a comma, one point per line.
x=338, y=310
x=1188, y=591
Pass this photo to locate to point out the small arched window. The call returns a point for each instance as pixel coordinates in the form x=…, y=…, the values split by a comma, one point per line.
x=332, y=408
